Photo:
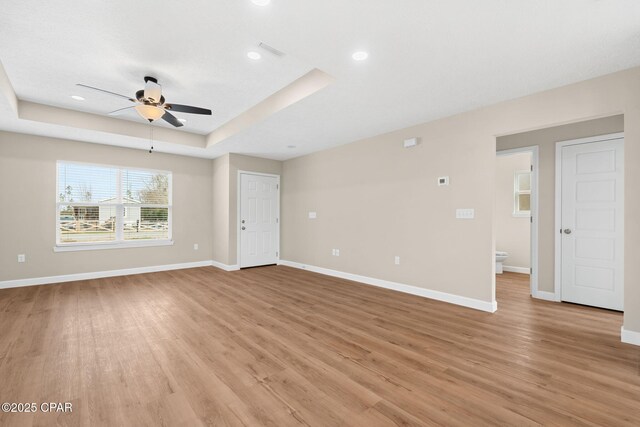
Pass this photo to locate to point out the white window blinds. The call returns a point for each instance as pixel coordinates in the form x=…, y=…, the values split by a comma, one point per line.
x=104, y=204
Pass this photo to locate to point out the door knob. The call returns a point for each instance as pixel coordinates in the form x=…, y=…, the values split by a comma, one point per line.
x=243, y=227
x=243, y=221
x=567, y=231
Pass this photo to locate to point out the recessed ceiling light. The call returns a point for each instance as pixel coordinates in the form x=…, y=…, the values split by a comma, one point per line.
x=77, y=98
x=261, y=2
x=360, y=56
x=182, y=120
x=254, y=55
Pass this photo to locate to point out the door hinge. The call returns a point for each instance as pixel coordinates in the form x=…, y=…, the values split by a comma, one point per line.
x=277, y=253
x=277, y=220
x=531, y=168
x=530, y=270
x=277, y=186
x=531, y=219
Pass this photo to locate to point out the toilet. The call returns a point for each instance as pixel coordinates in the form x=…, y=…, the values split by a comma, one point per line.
x=500, y=258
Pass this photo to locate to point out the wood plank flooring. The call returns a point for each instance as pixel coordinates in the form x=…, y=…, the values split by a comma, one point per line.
x=276, y=346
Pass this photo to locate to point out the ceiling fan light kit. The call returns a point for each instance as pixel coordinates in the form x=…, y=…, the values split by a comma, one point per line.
x=150, y=104
x=149, y=112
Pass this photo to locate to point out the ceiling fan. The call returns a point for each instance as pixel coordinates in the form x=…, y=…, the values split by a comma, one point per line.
x=150, y=103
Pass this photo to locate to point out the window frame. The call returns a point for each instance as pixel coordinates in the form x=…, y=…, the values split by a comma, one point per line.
x=120, y=205
x=517, y=192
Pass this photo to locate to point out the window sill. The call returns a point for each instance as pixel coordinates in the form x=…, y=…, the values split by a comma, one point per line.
x=100, y=246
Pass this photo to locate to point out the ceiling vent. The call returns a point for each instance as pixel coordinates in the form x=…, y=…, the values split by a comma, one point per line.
x=271, y=50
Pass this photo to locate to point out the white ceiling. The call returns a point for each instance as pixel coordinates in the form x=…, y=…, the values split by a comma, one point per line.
x=427, y=59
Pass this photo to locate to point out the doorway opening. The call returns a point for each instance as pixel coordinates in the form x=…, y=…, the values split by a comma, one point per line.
x=516, y=209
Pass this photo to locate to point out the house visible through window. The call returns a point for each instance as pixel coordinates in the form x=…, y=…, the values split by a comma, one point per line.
x=112, y=205
x=522, y=194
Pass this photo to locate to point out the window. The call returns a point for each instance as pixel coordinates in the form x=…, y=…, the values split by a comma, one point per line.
x=106, y=206
x=522, y=194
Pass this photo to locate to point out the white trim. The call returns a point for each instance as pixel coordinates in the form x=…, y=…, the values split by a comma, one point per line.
x=629, y=337
x=557, y=282
x=535, y=237
x=238, y=224
x=400, y=287
x=117, y=245
x=225, y=267
x=100, y=274
x=547, y=296
x=512, y=269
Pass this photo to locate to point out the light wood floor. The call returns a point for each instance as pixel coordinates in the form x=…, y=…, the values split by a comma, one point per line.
x=277, y=346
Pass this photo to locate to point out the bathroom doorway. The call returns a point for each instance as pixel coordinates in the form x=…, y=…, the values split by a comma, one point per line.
x=516, y=207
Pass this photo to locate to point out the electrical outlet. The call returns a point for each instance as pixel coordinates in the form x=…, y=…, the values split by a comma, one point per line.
x=333, y=252
x=397, y=260
x=196, y=247
x=312, y=215
x=22, y=258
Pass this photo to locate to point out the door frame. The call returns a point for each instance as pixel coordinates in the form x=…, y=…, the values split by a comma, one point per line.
x=557, y=267
x=238, y=213
x=533, y=150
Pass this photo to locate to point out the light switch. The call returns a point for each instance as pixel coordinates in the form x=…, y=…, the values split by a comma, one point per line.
x=312, y=215
x=465, y=213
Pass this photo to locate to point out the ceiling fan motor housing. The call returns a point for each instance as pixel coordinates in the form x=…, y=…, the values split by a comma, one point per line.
x=140, y=97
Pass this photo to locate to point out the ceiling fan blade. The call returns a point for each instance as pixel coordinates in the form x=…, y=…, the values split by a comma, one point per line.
x=187, y=109
x=170, y=118
x=120, y=111
x=106, y=91
x=152, y=91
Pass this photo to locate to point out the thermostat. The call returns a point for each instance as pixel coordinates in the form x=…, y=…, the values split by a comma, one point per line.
x=443, y=180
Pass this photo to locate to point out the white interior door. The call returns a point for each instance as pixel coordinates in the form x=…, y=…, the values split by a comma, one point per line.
x=592, y=234
x=259, y=228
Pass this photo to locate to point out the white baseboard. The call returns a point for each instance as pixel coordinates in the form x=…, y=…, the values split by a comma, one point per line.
x=547, y=296
x=100, y=274
x=629, y=337
x=225, y=267
x=400, y=287
x=512, y=269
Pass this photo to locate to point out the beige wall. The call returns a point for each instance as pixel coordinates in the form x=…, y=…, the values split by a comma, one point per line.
x=28, y=200
x=513, y=233
x=546, y=140
x=225, y=200
x=221, y=211
x=375, y=199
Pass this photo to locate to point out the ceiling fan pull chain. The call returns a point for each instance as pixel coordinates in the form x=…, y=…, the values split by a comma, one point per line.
x=151, y=137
